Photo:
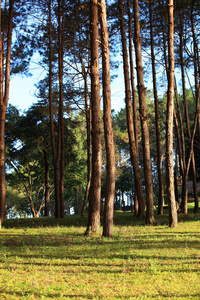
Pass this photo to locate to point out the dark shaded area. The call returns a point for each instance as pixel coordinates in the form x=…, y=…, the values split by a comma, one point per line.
x=120, y=218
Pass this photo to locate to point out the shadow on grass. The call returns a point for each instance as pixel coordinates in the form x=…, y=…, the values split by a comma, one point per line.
x=48, y=295
x=120, y=219
x=68, y=221
x=27, y=294
x=118, y=252
x=89, y=296
x=133, y=264
x=155, y=240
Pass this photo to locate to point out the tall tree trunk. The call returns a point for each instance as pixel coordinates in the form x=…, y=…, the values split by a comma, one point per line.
x=159, y=155
x=56, y=156
x=88, y=128
x=143, y=118
x=164, y=40
x=182, y=151
x=79, y=199
x=173, y=221
x=196, y=201
x=47, y=187
x=95, y=189
x=61, y=120
x=108, y=131
x=179, y=144
x=196, y=80
x=4, y=96
x=175, y=176
x=129, y=114
x=134, y=98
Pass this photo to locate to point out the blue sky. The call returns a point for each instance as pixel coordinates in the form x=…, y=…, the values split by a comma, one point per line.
x=22, y=90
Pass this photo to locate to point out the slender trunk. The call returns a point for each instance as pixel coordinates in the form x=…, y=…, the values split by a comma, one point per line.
x=2, y=164
x=195, y=60
x=175, y=176
x=185, y=177
x=2, y=137
x=182, y=138
x=173, y=220
x=143, y=118
x=179, y=144
x=79, y=198
x=88, y=128
x=108, y=131
x=193, y=135
x=164, y=42
x=187, y=114
x=196, y=80
x=159, y=156
x=120, y=201
x=129, y=114
x=134, y=98
x=47, y=187
x=53, y=142
x=95, y=189
x=61, y=120
x=4, y=96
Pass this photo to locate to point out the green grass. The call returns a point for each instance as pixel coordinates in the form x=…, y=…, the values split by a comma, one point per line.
x=46, y=258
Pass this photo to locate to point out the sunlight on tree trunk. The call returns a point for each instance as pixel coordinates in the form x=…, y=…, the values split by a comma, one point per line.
x=95, y=189
x=159, y=156
x=143, y=119
x=108, y=132
x=129, y=114
x=4, y=96
x=173, y=221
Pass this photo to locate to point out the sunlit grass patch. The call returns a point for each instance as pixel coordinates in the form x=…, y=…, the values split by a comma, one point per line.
x=140, y=262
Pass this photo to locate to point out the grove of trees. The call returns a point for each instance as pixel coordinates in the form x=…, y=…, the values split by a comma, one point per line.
x=70, y=152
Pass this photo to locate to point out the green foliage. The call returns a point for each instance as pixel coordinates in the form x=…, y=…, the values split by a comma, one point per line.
x=125, y=181
x=120, y=130
x=76, y=167
x=152, y=122
x=139, y=262
x=16, y=203
x=28, y=143
x=124, y=175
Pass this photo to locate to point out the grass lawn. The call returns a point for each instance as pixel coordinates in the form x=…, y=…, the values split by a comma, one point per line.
x=46, y=258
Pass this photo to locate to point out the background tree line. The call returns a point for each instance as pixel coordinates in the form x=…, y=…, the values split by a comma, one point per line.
x=56, y=148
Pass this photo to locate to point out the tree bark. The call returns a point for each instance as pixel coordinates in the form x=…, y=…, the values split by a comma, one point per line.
x=181, y=151
x=143, y=118
x=196, y=208
x=56, y=157
x=179, y=144
x=61, y=120
x=129, y=114
x=134, y=98
x=47, y=187
x=108, y=131
x=4, y=96
x=173, y=221
x=159, y=155
x=95, y=189
x=88, y=128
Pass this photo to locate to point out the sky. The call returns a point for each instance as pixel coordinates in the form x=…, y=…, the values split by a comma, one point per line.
x=22, y=90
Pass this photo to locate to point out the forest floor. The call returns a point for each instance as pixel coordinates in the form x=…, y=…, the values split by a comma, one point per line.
x=45, y=258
